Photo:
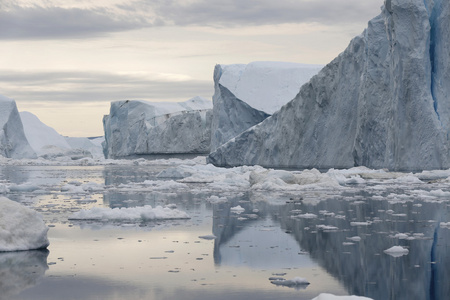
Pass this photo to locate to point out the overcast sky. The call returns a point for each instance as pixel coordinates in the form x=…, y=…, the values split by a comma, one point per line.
x=66, y=60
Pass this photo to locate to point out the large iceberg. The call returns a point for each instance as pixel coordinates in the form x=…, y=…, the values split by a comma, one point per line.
x=48, y=143
x=382, y=103
x=13, y=143
x=21, y=228
x=245, y=95
x=141, y=127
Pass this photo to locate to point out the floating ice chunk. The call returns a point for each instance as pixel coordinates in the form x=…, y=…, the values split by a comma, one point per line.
x=396, y=251
x=297, y=282
x=354, y=238
x=216, y=200
x=445, y=225
x=26, y=187
x=360, y=223
x=21, y=228
x=325, y=296
x=208, y=237
x=307, y=216
x=142, y=213
x=3, y=189
x=327, y=227
x=237, y=209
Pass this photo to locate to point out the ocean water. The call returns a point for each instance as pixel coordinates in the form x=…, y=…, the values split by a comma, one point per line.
x=333, y=237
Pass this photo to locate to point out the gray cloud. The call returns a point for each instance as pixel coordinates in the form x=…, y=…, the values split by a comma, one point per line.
x=39, y=22
x=54, y=22
x=234, y=13
x=96, y=87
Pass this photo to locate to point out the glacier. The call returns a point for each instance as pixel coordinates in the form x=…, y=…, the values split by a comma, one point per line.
x=140, y=127
x=382, y=103
x=13, y=143
x=246, y=94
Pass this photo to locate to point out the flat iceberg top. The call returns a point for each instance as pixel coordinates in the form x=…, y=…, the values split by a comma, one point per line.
x=154, y=109
x=266, y=86
x=21, y=228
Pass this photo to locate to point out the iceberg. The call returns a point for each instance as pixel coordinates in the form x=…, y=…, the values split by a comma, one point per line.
x=245, y=95
x=382, y=103
x=21, y=227
x=48, y=143
x=140, y=127
x=13, y=143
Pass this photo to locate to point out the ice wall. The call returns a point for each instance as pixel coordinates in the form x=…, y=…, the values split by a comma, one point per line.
x=13, y=143
x=245, y=95
x=382, y=103
x=140, y=127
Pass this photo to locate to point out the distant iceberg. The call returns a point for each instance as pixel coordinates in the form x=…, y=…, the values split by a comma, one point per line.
x=49, y=144
x=382, y=103
x=13, y=143
x=141, y=127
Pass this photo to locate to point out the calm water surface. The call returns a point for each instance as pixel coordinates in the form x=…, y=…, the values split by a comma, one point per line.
x=168, y=260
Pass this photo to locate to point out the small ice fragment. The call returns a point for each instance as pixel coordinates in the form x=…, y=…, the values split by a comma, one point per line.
x=325, y=296
x=297, y=282
x=207, y=237
x=396, y=251
x=237, y=209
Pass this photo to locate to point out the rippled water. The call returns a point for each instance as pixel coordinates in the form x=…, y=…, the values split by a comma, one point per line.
x=307, y=234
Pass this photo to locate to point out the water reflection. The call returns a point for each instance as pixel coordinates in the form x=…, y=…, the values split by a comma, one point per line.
x=20, y=271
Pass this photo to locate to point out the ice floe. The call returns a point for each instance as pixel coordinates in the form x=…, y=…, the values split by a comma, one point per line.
x=144, y=213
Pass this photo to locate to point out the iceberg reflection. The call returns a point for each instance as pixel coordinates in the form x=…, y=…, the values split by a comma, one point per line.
x=21, y=270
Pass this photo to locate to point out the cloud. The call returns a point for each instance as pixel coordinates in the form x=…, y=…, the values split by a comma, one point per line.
x=98, y=87
x=37, y=22
x=55, y=22
x=235, y=13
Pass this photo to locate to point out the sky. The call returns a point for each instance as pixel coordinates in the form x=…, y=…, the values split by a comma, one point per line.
x=66, y=60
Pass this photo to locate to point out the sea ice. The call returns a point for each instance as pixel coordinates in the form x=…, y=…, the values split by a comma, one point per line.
x=396, y=251
x=21, y=228
x=326, y=296
x=143, y=213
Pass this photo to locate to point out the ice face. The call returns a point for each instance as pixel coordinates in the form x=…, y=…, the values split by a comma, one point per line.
x=13, y=142
x=382, y=103
x=40, y=135
x=21, y=227
x=139, y=127
x=245, y=95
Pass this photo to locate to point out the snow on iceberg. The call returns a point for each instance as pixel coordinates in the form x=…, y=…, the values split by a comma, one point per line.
x=141, y=127
x=142, y=213
x=245, y=95
x=13, y=142
x=21, y=228
x=382, y=103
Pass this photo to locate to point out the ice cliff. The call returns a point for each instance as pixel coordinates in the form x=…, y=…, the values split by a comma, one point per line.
x=13, y=143
x=382, y=103
x=245, y=95
x=141, y=127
